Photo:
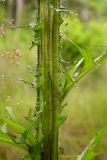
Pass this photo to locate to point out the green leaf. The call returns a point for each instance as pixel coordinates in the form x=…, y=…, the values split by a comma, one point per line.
x=97, y=61
x=89, y=65
x=34, y=43
x=89, y=152
x=86, y=54
x=69, y=76
x=31, y=124
x=37, y=29
x=13, y=124
x=35, y=26
x=75, y=67
x=101, y=58
x=5, y=138
x=61, y=120
x=87, y=61
x=19, y=128
x=28, y=131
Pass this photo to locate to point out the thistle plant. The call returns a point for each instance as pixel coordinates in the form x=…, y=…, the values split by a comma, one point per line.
x=40, y=139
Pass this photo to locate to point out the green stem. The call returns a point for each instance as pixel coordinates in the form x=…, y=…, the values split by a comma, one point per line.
x=48, y=96
x=55, y=82
x=36, y=154
x=46, y=45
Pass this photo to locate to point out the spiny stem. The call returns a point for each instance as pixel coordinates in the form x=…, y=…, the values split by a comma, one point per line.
x=46, y=42
x=48, y=60
x=39, y=93
x=55, y=81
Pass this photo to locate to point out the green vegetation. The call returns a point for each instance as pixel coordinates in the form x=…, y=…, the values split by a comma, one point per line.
x=88, y=110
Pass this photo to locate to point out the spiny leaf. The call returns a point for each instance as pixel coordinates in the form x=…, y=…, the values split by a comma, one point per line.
x=37, y=29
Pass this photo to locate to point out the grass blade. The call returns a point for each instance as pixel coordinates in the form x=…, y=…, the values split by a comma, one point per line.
x=101, y=58
x=5, y=138
x=89, y=152
x=19, y=128
x=13, y=124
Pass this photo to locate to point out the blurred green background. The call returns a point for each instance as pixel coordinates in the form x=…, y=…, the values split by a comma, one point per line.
x=87, y=102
